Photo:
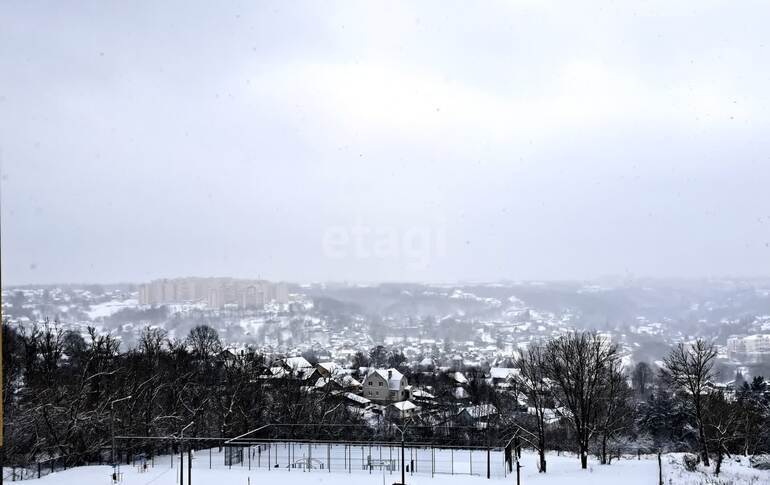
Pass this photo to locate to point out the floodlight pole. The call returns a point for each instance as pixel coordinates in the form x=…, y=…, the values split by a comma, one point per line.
x=403, y=475
x=112, y=425
x=181, y=454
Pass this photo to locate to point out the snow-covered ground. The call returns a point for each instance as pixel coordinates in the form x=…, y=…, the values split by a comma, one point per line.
x=348, y=468
x=102, y=310
x=735, y=471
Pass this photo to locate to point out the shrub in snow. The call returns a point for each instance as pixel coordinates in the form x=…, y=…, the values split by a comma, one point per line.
x=760, y=462
x=690, y=461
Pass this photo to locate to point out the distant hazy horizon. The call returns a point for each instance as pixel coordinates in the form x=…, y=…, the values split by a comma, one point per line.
x=392, y=141
x=607, y=280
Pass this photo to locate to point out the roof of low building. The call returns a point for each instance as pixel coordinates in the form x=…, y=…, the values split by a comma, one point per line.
x=503, y=372
x=404, y=405
x=297, y=363
x=350, y=381
x=480, y=410
x=330, y=367
x=357, y=398
x=460, y=378
x=422, y=394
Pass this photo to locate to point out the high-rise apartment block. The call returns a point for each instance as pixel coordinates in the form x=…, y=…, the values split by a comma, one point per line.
x=752, y=349
x=216, y=292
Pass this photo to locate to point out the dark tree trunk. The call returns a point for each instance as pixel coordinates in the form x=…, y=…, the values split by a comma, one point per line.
x=604, y=450
x=704, y=445
x=660, y=470
x=720, y=456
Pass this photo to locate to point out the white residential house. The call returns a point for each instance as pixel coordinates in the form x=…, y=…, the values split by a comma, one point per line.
x=386, y=386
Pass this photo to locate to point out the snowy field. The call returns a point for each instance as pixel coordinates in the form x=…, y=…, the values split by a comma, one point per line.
x=106, y=309
x=349, y=468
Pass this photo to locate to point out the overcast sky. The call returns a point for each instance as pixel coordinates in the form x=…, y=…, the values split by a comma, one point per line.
x=363, y=141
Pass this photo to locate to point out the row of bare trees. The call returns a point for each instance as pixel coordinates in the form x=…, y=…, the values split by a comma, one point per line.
x=579, y=379
x=65, y=393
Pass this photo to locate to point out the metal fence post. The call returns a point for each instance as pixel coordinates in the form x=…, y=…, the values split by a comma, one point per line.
x=181, y=464
x=489, y=462
x=432, y=461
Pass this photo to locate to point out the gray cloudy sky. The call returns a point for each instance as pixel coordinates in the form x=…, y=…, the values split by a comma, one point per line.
x=431, y=141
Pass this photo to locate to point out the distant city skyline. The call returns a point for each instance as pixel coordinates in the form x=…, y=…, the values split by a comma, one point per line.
x=216, y=292
x=609, y=280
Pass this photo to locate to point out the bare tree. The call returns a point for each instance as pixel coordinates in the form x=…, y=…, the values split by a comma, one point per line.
x=642, y=378
x=614, y=409
x=578, y=364
x=689, y=368
x=723, y=426
x=533, y=382
x=204, y=342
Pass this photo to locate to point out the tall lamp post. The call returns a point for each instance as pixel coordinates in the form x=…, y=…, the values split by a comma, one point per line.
x=181, y=453
x=403, y=475
x=112, y=425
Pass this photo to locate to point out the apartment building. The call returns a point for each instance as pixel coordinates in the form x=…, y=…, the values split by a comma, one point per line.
x=215, y=292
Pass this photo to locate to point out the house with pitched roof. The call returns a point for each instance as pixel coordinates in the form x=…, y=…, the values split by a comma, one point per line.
x=386, y=385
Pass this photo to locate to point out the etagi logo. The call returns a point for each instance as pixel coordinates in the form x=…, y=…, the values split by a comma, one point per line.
x=415, y=246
